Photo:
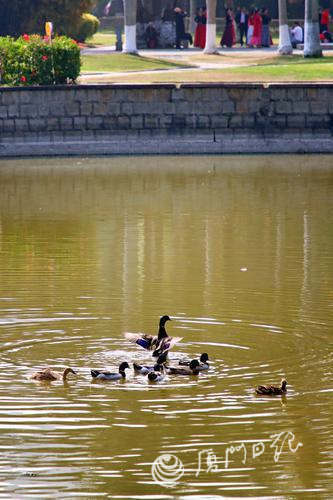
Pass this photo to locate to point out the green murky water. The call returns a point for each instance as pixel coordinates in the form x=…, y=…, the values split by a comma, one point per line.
x=239, y=251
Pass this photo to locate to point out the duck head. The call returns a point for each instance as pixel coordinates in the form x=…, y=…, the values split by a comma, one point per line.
x=67, y=371
x=164, y=319
x=152, y=376
x=123, y=366
x=204, y=357
x=284, y=384
x=194, y=364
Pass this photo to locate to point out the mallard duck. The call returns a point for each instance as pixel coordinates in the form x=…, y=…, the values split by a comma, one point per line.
x=48, y=374
x=160, y=343
x=271, y=390
x=203, y=362
x=192, y=369
x=144, y=369
x=155, y=376
x=104, y=375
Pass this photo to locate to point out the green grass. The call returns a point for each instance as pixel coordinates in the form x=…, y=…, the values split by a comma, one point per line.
x=123, y=62
x=102, y=38
x=294, y=68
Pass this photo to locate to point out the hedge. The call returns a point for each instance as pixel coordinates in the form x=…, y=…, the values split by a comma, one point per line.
x=30, y=60
x=88, y=27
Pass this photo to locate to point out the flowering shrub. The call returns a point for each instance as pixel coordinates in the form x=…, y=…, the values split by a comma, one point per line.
x=30, y=60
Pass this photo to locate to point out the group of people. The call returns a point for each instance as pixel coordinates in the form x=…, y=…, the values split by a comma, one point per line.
x=252, y=26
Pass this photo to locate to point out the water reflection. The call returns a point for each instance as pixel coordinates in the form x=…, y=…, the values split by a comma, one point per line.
x=238, y=251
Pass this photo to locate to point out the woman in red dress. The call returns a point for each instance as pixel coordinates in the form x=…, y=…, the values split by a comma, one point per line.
x=257, y=29
x=200, y=32
x=229, y=34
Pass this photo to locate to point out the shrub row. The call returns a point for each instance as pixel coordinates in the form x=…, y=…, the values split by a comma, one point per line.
x=31, y=60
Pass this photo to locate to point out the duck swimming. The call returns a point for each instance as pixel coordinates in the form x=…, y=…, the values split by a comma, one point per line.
x=192, y=369
x=160, y=343
x=271, y=390
x=48, y=374
x=144, y=369
x=203, y=365
x=105, y=375
x=155, y=376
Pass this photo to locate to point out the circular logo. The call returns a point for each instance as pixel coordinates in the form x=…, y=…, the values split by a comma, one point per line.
x=167, y=470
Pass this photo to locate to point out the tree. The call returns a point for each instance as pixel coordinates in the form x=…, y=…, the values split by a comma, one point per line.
x=312, y=46
x=130, y=7
x=285, y=47
x=210, y=47
x=22, y=16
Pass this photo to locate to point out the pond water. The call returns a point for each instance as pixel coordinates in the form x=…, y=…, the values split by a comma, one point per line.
x=239, y=252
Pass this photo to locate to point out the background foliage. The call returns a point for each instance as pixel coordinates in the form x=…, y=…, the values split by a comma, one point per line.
x=29, y=16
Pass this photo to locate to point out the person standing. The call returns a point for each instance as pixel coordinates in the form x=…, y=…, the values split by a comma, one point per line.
x=200, y=31
x=229, y=35
x=243, y=25
x=250, y=26
x=324, y=20
x=180, y=27
x=265, y=34
x=257, y=29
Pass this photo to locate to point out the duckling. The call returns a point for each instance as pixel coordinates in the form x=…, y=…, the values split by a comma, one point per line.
x=160, y=343
x=192, y=369
x=271, y=390
x=48, y=374
x=203, y=362
x=155, y=376
x=99, y=375
x=144, y=370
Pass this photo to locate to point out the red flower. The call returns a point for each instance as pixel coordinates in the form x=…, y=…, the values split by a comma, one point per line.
x=45, y=58
x=23, y=79
x=26, y=37
x=74, y=41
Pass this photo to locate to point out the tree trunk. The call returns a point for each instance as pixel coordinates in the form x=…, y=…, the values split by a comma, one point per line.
x=210, y=47
x=285, y=47
x=192, y=15
x=130, y=26
x=312, y=46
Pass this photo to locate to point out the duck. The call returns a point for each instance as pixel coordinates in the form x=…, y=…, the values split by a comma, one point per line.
x=48, y=375
x=105, y=375
x=160, y=343
x=271, y=390
x=192, y=369
x=144, y=369
x=204, y=365
x=155, y=376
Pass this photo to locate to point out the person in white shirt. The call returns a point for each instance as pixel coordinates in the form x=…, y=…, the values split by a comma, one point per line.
x=296, y=34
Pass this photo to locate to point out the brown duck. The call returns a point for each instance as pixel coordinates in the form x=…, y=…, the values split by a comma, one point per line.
x=48, y=374
x=271, y=390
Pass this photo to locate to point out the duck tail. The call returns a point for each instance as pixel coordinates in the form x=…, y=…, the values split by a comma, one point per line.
x=94, y=373
x=132, y=337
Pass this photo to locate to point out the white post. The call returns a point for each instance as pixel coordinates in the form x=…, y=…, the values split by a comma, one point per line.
x=130, y=26
x=285, y=48
x=312, y=47
x=210, y=47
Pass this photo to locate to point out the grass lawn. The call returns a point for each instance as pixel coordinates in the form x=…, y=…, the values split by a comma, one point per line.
x=269, y=69
x=118, y=62
x=102, y=38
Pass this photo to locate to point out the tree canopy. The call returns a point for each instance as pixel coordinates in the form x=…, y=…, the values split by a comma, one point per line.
x=27, y=16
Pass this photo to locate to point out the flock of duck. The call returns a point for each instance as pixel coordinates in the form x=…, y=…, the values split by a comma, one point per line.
x=160, y=345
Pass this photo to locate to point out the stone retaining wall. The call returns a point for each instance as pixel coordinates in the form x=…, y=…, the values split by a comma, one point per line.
x=198, y=118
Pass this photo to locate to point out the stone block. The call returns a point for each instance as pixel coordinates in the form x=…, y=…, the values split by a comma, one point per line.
x=317, y=121
x=4, y=111
x=10, y=98
x=236, y=121
x=318, y=107
x=219, y=121
x=113, y=108
x=296, y=121
x=9, y=125
x=277, y=121
x=21, y=124
x=203, y=121
x=248, y=121
x=110, y=122
x=43, y=110
x=277, y=94
x=28, y=111
x=151, y=121
x=124, y=122
x=166, y=121
x=178, y=121
x=301, y=107
x=79, y=122
x=178, y=94
x=72, y=109
x=57, y=109
x=295, y=94
x=191, y=121
x=86, y=109
x=52, y=124
x=283, y=107
x=126, y=108
x=99, y=109
x=136, y=121
x=94, y=122
x=228, y=107
x=66, y=123
x=37, y=124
